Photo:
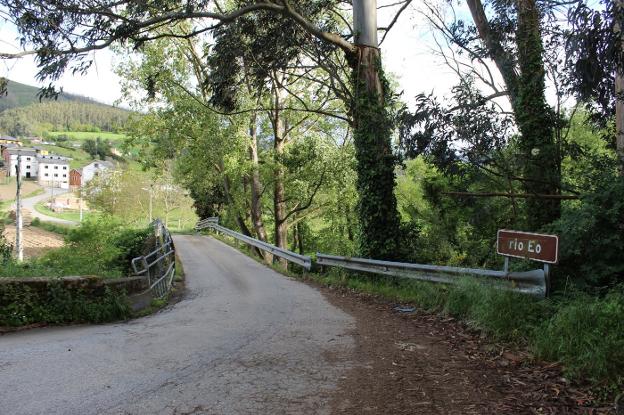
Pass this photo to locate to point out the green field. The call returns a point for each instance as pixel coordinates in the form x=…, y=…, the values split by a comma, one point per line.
x=78, y=156
x=84, y=135
x=71, y=215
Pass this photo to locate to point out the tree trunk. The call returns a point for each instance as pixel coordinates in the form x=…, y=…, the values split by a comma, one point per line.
x=256, y=188
x=542, y=160
x=539, y=150
x=377, y=207
x=299, y=241
x=619, y=90
x=279, y=193
x=239, y=219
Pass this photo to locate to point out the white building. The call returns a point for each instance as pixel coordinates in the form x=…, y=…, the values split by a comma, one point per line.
x=50, y=170
x=29, y=164
x=82, y=176
x=54, y=171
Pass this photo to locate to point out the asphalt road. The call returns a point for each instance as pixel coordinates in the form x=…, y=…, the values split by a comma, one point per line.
x=30, y=202
x=245, y=340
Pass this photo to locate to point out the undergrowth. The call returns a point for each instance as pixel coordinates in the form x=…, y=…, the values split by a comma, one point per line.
x=21, y=305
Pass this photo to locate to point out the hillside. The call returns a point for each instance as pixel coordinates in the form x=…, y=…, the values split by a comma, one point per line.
x=22, y=114
x=20, y=95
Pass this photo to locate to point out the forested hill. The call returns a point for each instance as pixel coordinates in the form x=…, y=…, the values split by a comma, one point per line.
x=34, y=119
x=21, y=95
x=22, y=113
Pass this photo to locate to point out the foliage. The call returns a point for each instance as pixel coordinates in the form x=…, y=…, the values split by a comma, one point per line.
x=100, y=246
x=51, y=227
x=6, y=249
x=377, y=206
x=592, y=237
x=40, y=117
x=98, y=148
x=594, y=54
x=21, y=305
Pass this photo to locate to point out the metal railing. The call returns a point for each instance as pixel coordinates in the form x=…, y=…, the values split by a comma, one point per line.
x=529, y=282
x=159, y=265
x=533, y=282
x=213, y=223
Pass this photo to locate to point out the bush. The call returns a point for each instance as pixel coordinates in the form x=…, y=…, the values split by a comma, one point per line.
x=100, y=246
x=592, y=237
x=20, y=305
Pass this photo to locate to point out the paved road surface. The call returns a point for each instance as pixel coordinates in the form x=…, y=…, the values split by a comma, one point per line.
x=245, y=340
x=30, y=202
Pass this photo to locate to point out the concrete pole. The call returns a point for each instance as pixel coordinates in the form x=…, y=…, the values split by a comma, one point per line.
x=18, y=210
x=80, y=200
x=151, y=194
x=365, y=23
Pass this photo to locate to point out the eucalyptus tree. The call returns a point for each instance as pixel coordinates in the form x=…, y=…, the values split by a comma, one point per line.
x=512, y=35
x=62, y=34
x=595, y=58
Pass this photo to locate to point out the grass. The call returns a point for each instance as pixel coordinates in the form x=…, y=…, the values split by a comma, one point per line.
x=52, y=227
x=78, y=157
x=71, y=215
x=84, y=135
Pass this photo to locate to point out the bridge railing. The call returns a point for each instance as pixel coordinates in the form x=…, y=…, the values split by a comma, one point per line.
x=295, y=258
x=529, y=282
x=534, y=282
x=158, y=265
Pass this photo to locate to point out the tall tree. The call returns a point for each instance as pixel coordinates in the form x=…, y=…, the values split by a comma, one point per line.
x=595, y=61
x=78, y=27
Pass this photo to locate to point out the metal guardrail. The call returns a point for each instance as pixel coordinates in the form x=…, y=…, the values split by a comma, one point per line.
x=530, y=282
x=158, y=265
x=213, y=223
x=533, y=282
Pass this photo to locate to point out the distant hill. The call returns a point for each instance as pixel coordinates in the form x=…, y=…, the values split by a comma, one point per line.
x=23, y=114
x=21, y=95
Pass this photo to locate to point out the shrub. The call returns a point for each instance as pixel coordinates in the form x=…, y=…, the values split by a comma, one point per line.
x=592, y=237
x=20, y=305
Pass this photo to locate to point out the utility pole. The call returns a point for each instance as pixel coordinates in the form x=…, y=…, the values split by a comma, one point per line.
x=80, y=199
x=151, y=193
x=18, y=210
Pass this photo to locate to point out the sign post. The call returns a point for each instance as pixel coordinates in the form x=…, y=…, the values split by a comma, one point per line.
x=526, y=245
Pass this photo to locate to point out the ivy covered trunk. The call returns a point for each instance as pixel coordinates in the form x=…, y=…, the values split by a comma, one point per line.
x=377, y=207
x=619, y=89
x=540, y=151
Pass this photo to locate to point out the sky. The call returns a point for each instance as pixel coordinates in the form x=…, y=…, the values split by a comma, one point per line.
x=407, y=55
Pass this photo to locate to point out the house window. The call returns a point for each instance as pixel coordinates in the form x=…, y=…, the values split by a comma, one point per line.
x=55, y=167
x=64, y=167
x=55, y=175
x=28, y=167
x=46, y=175
x=64, y=175
x=27, y=158
x=46, y=166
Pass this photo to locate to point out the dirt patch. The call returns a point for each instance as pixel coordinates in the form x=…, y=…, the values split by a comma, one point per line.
x=7, y=191
x=36, y=241
x=417, y=363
